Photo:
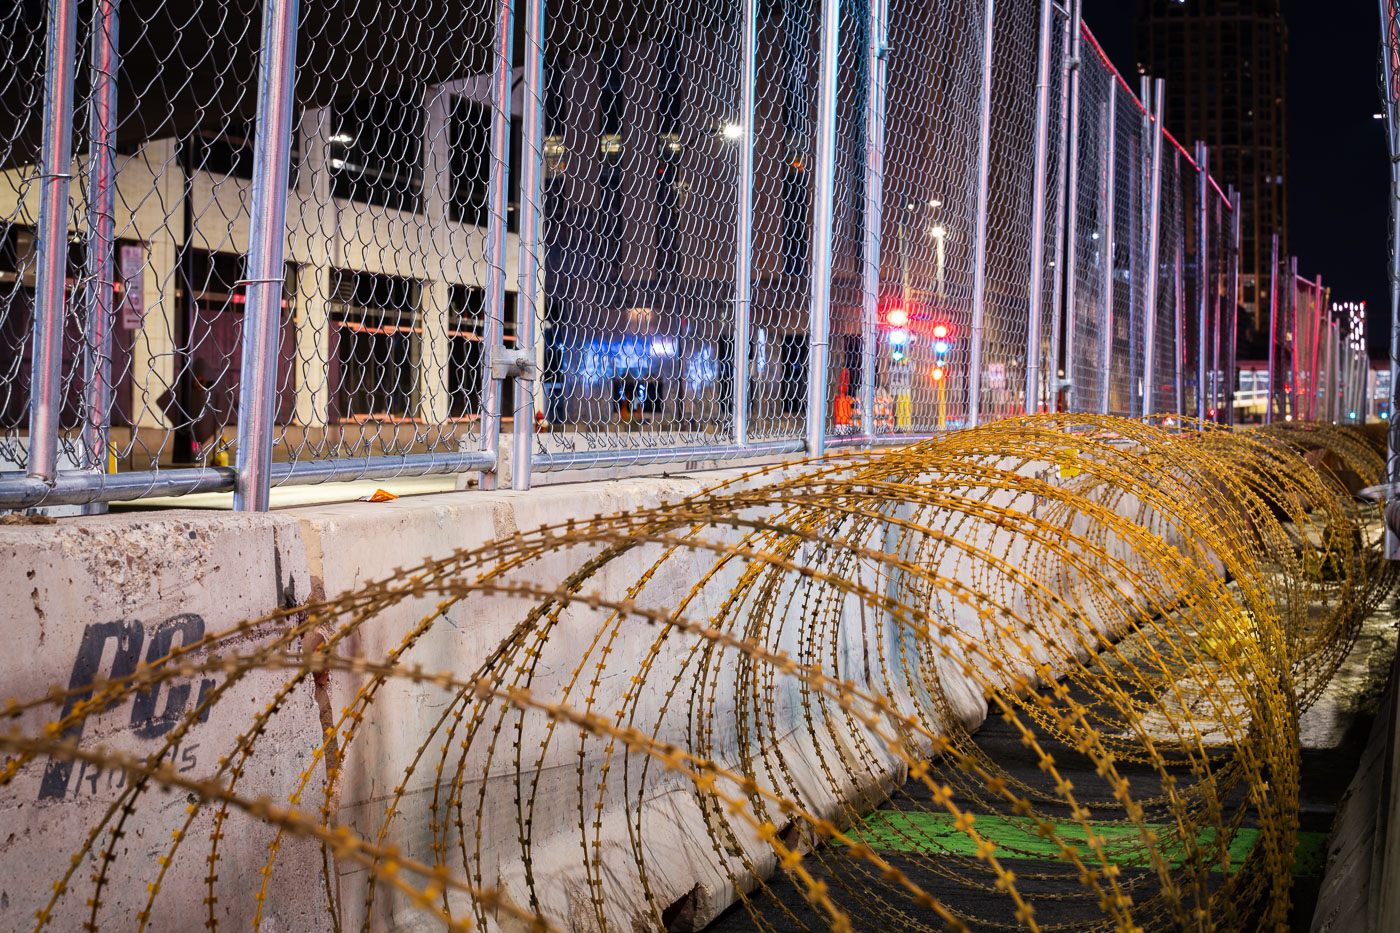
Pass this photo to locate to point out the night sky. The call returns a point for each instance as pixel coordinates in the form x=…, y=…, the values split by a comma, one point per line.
x=1338, y=176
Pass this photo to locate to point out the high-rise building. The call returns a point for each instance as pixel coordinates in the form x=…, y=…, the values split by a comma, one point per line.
x=1225, y=64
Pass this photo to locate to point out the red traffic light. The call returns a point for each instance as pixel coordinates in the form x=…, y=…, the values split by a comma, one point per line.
x=897, y=317
x=940, y=331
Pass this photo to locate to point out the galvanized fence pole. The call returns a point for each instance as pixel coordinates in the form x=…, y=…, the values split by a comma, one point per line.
x=1110, y=227
x=56, y=157
x=1273, y=331
x=493, y=327
x=267, y=243
x=530, y=267
x=1202, y=277
x=874, y=188
x=1218, y=321
x=1136, y=206
x=1154, y=216
x=1060, y=262
x=1295, y=394
x=1039, y=190
x=1179, y=289
x=102, y=196
x=979, y=261
x=823, y=212
x=1071, y=251
x=743, y=242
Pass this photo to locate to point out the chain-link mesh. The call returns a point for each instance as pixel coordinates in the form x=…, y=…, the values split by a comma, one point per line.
x=1309, y=347
x=184, y=105
x=392, y=271
x=1090, y=309
x=1125, y=341
x=1390, y=99
x=1052, y=285
x=22, y=40
x=1164, y=346
x=846, y=346
x=642, y=135
x=929, y=216
x=397, y=296
x=1220, y=317
x=1010, y=188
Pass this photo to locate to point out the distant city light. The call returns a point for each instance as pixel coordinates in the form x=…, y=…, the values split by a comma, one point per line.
x=940, y=347
x=939, y=232
x=899, y=337
x=732, y=131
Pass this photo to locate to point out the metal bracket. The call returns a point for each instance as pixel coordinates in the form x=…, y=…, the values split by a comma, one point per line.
x=510, y=361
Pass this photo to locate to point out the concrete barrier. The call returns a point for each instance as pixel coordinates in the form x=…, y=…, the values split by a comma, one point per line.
x=92, y=597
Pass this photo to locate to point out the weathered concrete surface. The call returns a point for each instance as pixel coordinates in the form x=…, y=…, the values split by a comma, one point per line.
x=225, y=568
x=88, y=599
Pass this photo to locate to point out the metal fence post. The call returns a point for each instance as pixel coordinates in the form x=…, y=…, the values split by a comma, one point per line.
x=1070, y=255
x=1202, y=276
x=874, y=200
x=57, y=163
x=743, y=245
x=1295, y=394
x=267, y=242
x=1232, y=310
x=1149, y=369
x=492, y=324
x=102, y=195
x=1179, y=290
x=1106, y=336
x=1273, y=330
x=824, y=191
x=530, y=265
x=1039, y=186
x=1217, y=321
x=979, y=262
x=1057, y=262
x=1137, y=198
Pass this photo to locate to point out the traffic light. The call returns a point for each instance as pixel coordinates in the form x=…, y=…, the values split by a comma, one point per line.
x=942, y=343
x=897, y=331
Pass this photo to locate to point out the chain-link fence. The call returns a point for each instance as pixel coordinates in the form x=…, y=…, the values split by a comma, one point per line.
x=1390, y=99
x=248, y=243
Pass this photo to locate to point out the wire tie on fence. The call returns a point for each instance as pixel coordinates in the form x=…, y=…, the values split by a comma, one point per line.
x=67, y=175
x=258, y=281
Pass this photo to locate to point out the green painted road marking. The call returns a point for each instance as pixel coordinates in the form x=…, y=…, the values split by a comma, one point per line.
x=1017, y=838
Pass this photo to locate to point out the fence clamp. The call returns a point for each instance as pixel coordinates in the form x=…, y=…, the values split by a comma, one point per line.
x=510, y=361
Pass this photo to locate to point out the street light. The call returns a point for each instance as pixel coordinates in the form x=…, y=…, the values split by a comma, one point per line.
x=940, y=237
